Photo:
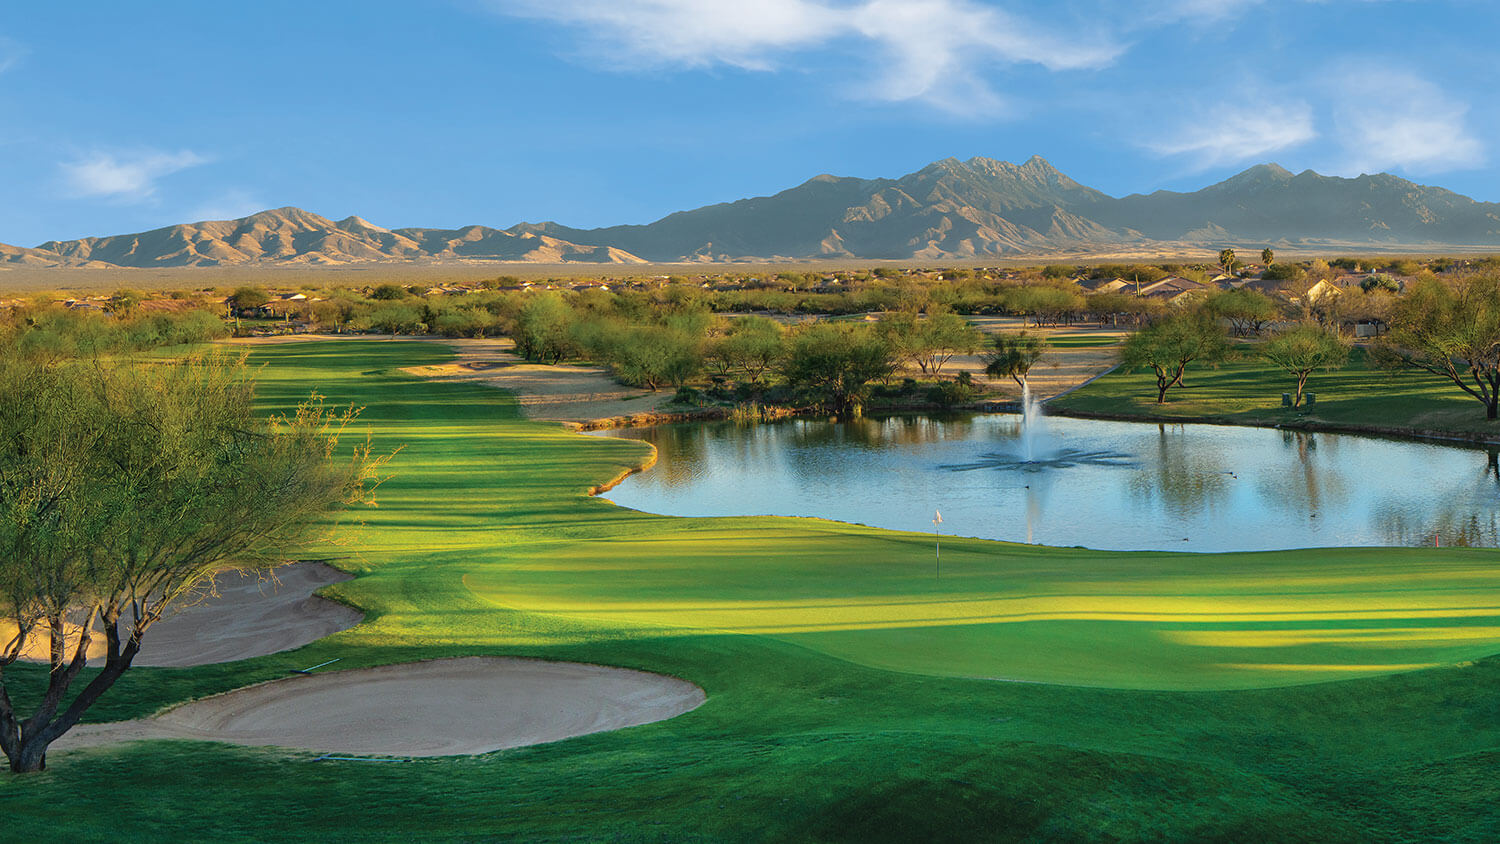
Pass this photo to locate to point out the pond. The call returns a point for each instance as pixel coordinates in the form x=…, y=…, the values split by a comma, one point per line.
x=1073, y=482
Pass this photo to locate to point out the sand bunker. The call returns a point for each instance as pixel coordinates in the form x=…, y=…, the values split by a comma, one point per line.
x=445, y=707
x=250, y=616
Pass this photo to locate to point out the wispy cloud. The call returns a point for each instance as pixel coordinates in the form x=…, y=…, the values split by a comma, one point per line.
x=11, y=53
x=1387, y=119
x=127, y=177
x=931, y=50
x=1237, y=133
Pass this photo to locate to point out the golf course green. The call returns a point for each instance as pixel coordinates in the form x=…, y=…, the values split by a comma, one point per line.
x=852, y=690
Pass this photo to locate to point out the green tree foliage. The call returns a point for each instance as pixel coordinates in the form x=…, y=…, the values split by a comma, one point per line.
x=1115, y=305
x=1246, y=310
x=544, y=329
x=1227, y=260
x=1268, y=256
x=395, y=318
x=388, y=293
x=1380, y=281
x=1045, y=305
x=948, y=394
x=1304, y=348
x=834, y=364
x=931, y=342
x=651, y=356
x=1284, y=272
x=248, y=298
x=1013, y=356
x=53, y=330
x=1168, y=345
x=752, y=345
x=333, y=313
x=123, y=489
x=1451, y=330
x=1058, y=271
x=464, y=322
x=123, y=302
x=1142, y=274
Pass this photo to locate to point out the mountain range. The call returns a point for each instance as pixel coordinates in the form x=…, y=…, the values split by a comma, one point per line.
x=950, y=209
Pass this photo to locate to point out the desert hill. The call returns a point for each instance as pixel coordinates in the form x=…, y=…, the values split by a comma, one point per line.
x=982, y=207
x=294, y=236
x=950, y=209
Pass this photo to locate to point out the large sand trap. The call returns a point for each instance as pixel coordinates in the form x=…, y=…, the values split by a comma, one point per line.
x=445, y=707
x=249, y=616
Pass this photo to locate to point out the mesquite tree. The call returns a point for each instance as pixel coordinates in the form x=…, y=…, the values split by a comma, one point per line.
x=1304, y=348
x=1170, y=344
x=1452, y=331
x=123, y=489
x=1014, y=356
x=835, y=362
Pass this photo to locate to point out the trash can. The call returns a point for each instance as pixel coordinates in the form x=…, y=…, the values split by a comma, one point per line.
x=1309, y=399
x=1286, y=399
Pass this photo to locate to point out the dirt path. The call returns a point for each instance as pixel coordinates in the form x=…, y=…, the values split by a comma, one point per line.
x=445, y=707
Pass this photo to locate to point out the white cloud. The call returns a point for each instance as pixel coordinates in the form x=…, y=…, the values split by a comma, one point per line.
x=1240, y=132
x=129, y=177
x=937, y=48
x=932, y=50
x=1390, y=119
x=691, y=33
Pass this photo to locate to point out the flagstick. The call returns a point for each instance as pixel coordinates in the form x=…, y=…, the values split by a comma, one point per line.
x=937, y=538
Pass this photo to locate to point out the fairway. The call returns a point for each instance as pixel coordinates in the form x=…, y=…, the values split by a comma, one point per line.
x=486, y=544
x=526, y=544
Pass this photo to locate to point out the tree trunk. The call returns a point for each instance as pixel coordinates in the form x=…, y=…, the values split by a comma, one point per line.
x=1301, y=382
x=1492, y=409
x=30, y=757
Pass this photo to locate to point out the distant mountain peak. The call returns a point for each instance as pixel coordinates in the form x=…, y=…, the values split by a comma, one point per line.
x=1038, y=164
x=949, y=209
x=356, y=223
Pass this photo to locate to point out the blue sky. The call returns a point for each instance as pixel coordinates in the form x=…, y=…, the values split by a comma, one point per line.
x=126, y=116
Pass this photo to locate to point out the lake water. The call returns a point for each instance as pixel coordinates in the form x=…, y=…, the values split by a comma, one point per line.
x=1108, y=485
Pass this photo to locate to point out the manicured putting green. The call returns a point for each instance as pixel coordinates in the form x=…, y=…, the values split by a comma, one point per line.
x=1143, y=620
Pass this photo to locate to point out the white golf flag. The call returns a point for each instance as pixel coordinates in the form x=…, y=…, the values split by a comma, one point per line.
x=937, y=517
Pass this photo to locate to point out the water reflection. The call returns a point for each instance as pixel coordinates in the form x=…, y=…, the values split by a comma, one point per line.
x=1096, y=484
x=1063, y=458
x=1311, y=480
x=1184, y=480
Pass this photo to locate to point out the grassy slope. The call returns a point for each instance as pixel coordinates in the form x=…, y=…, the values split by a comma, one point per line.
x=1248, y=392
x=793, y=743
